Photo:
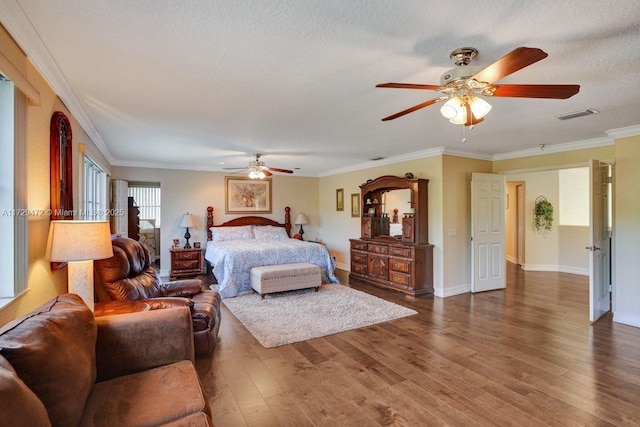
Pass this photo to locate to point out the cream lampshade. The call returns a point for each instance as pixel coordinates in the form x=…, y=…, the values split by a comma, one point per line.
x=301, y=219
x=188, y=220
x=79, y=243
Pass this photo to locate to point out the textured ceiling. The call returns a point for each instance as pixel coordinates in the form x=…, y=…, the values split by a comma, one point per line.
x=193, y=83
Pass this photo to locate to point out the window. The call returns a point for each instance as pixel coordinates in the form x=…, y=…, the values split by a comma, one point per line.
x=95, y=191
x=146, y=196
x=13, y=194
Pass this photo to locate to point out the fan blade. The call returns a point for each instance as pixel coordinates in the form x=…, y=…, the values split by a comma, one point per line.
x=513, y=61
x=231, y=169
x=536, y=91
x=409, y=86
x=266, y=172
x=280, y=170
x=412, y=109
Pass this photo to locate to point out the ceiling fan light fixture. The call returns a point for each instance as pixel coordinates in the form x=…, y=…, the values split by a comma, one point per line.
x=257, y=174
x=455, y=109
x=479, y=106
x=452, y=108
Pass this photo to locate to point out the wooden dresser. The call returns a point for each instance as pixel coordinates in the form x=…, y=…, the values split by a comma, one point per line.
x=186, y=263
x=403, y=262
x=407, y=268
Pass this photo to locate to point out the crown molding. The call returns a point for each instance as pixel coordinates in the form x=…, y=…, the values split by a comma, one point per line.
x=624, y=132
x=386, y=161
x=556, y=148
x=18, y=25
x=196, y=168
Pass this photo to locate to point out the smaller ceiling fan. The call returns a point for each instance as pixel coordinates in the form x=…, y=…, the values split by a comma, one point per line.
x=462, y=85
x=258, y=169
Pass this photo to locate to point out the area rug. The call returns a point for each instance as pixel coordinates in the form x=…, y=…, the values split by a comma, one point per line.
x=288, y=317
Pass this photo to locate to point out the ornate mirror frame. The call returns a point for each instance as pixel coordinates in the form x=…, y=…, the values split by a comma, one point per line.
x=61, y=170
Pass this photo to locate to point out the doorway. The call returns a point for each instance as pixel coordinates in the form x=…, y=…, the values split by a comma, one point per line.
x=580, y=240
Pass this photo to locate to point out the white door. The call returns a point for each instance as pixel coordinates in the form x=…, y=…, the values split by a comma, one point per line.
x=488, y=259
x=598, y=240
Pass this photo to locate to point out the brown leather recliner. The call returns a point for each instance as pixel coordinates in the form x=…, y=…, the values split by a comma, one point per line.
x=128, y=276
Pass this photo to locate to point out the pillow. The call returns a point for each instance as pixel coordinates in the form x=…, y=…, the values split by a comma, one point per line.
x=269, y=232
x=220, y=234
x=53, y=351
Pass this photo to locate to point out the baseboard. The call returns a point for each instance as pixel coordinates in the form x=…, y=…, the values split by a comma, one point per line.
x=512, y=259
x=557, y=269
x=449, y=292
x=626, y=319
x=343, y=266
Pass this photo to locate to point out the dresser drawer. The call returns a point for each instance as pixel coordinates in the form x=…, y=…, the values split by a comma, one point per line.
x=187, y=255
x=399, y=279
x=187, y=265
x=397, y=251
x=379, y=249
x=358, y=258
x=359, y=269
x=361, y=246
x=400, y=265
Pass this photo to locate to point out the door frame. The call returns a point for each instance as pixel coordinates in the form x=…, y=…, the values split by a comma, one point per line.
x=611, y=163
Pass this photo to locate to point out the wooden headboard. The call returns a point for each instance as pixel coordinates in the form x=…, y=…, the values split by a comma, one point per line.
x=249, y=220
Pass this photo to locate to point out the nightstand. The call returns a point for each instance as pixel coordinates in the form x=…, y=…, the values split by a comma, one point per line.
x=186, y=262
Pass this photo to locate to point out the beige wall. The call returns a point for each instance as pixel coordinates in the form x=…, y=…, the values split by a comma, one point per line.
x=338, y=227
x=43, y=283
x=456, y=237
x=626, y=303
x=192, y=191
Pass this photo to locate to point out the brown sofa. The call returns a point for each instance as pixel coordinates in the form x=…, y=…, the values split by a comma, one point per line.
x=60, y=366
x=128, y=276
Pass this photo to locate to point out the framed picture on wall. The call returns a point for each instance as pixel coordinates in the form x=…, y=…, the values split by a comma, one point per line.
x=340, y=199
x=246, y=195
x=355, y=205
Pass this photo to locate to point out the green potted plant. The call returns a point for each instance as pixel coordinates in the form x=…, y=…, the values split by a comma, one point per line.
x=543, y=214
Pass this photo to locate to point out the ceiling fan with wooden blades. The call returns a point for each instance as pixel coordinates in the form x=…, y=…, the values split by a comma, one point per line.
x=258, y=169
x=463, y=86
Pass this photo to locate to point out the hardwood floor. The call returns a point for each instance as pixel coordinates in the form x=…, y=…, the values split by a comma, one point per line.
x=526, y=356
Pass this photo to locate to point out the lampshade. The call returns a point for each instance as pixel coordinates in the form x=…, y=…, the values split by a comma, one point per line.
x=78, y=241
x=257, y=174
x=301, y=218
x=188, y=220
x=452, y=108
x=455, y=109
x=479, y=107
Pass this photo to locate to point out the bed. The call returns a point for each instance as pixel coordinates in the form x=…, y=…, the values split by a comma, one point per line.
x=236, y=246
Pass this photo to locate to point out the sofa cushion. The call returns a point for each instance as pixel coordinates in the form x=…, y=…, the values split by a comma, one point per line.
x=153, y=397
x=19, y=406
x=52, y=349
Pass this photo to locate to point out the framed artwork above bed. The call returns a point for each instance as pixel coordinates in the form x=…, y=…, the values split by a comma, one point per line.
x=245, y=195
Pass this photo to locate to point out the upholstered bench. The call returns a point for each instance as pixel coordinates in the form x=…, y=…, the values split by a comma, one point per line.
x=286, y=277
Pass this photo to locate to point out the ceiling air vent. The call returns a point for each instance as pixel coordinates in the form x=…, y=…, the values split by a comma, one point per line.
x=575, y=114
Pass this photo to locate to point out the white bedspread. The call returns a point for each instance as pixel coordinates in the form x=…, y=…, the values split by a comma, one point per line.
x=232, y=260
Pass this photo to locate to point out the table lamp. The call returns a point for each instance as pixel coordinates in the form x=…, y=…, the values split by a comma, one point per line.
x=79, y=243
x=301, y=219
x=187, y=221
